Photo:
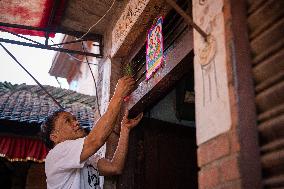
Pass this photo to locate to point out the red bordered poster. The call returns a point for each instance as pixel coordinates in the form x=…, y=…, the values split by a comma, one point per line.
x=154, y=48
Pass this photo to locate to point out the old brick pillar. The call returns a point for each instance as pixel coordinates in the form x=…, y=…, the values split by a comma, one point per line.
x=228, y=151
x=111, y=144
x=109, y=73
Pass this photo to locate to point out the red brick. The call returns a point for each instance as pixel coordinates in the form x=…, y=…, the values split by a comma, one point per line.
x=208, y=177
x=232, y=185
x=229, y=169
x=213, y=150
x=234, y=142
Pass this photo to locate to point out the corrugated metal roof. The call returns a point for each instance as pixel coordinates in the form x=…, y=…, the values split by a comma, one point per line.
x=29, y=103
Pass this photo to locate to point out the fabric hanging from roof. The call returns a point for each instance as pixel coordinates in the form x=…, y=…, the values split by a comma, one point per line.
x=22, y=149
x=35, y=13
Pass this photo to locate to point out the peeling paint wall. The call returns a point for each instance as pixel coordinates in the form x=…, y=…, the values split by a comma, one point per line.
x=211, y=82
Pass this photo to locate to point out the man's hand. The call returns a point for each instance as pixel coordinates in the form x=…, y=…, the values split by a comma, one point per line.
x=104, y=126
x=124, y=86
x=130, y=123
x=115, y=166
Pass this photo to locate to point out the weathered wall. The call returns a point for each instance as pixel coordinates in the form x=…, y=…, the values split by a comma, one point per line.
x=266, y=23
x=228, y=153
x=211, y=80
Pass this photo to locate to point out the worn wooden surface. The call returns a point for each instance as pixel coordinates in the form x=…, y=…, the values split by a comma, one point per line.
x=266, y=23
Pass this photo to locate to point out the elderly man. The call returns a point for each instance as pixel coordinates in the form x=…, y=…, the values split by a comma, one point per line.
x=73, y=161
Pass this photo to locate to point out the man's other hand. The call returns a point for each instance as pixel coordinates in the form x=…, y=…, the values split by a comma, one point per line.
x=130, y=123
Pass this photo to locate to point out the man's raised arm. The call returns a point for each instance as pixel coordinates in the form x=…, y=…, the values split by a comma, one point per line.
x=106, y=123
x=115, y=165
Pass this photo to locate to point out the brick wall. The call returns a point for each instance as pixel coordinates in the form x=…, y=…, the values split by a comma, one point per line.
x=218, y=159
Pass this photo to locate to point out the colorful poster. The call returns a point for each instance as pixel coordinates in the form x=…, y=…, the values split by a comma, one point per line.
x=154, y=49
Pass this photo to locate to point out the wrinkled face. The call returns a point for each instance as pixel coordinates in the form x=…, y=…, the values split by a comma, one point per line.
x=66, y=127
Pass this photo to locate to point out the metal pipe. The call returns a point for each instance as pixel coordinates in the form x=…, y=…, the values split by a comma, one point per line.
x=13, y=33
x=187, y=18
x=68, y=42
x=75, y=58
x=50, y=48
x=90, y=36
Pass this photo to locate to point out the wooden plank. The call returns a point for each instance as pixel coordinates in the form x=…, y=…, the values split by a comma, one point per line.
x=268, y=42
x=265, y=16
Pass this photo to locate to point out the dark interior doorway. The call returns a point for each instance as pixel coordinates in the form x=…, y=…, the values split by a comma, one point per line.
x=13, y=174
x=161, y=155
x=162, y=149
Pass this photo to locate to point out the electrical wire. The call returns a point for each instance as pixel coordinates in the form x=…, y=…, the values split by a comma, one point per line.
x=94, y=79
x=75, y=58
x=80, y=38
x=12, y=56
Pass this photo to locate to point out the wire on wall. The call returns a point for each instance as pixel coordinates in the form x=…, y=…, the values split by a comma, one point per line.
x=97, y=21
x=94, y=79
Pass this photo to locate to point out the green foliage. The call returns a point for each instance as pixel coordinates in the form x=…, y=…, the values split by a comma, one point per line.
x=128, y=69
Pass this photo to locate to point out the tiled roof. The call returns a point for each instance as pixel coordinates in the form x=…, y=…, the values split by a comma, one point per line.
x=30, y=104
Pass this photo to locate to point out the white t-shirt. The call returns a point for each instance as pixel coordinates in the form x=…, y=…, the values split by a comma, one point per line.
x=64, y=170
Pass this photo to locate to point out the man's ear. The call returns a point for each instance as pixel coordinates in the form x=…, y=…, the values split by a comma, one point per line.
x=53, y=137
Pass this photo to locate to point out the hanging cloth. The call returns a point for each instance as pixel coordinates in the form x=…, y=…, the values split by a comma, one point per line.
x=22, y=149
x=35, y=13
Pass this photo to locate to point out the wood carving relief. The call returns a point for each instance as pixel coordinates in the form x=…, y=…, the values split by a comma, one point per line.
x=124, y=24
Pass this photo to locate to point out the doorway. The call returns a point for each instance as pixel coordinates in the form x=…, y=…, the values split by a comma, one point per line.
x=162, y=149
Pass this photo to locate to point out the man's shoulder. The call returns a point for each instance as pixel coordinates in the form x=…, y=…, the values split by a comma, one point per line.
x=66, y=143
x=63, y=147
